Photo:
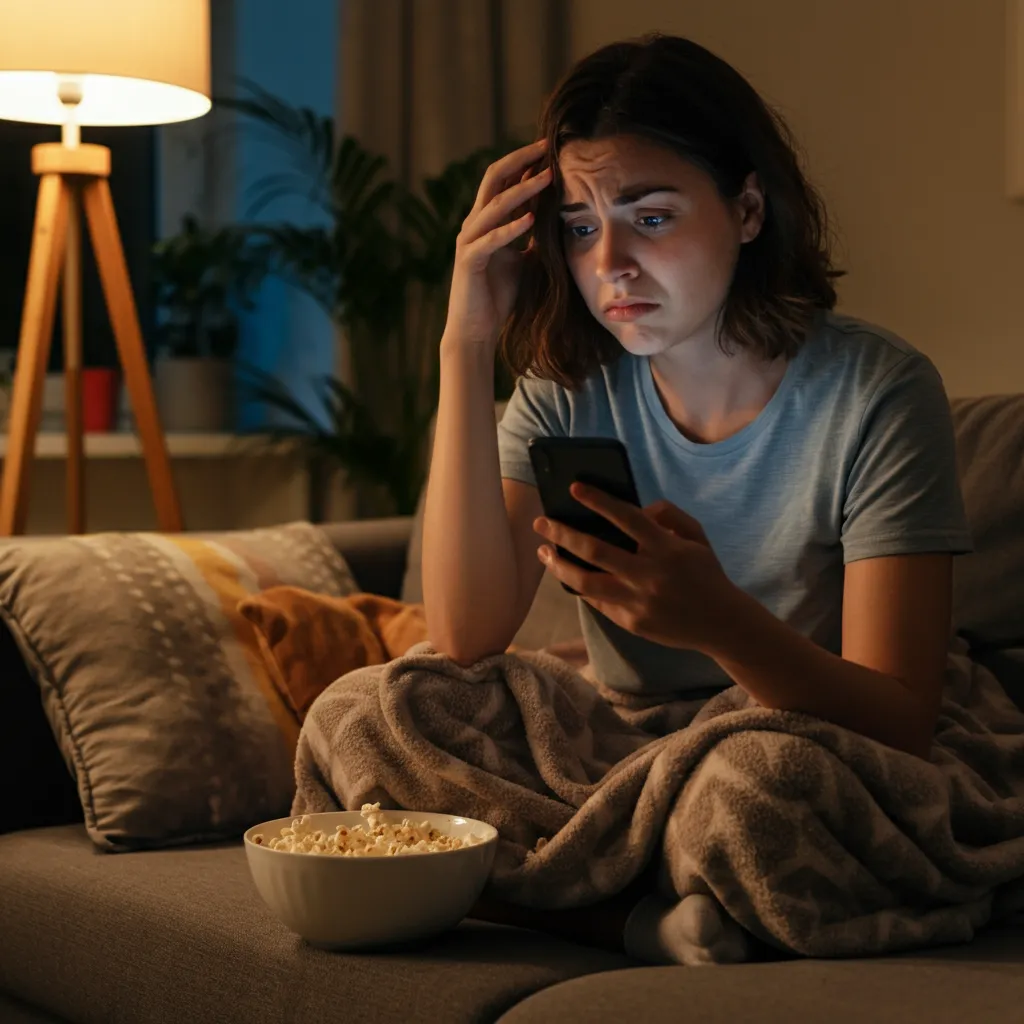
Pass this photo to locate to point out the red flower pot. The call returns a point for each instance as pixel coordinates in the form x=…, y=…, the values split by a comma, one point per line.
x=100, y=388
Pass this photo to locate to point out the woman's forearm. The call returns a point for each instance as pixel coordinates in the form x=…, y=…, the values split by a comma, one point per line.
x=469, y=565
x=781, y=668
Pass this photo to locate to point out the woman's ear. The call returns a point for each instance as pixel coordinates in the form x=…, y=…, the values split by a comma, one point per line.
x=750, y=208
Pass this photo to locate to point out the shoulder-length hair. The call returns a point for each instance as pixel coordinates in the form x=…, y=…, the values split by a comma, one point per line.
x=680, y=95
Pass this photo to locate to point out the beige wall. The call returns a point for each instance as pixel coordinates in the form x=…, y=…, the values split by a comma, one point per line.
x=899, y=106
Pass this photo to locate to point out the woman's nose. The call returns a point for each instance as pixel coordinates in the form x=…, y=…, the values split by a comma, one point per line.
x=614, y=260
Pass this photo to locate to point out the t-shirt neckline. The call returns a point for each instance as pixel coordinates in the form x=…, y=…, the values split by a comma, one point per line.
x=729, y=444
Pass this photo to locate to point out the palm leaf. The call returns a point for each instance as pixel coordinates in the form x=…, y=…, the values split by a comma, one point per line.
x=286, y=184
x=308, y=134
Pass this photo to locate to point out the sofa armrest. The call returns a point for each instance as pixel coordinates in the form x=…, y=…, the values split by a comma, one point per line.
x=375, y=550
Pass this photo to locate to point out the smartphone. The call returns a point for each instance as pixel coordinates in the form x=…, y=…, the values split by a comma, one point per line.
x=601, y=462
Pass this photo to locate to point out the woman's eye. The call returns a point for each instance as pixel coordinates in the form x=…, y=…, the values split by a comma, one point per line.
x=648, y=220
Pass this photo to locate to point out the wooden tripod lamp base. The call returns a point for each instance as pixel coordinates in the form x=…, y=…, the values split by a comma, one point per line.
x=73, y=181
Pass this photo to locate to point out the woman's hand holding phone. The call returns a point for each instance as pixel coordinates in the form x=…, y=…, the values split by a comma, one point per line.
x=485, y=277
x=671, y=590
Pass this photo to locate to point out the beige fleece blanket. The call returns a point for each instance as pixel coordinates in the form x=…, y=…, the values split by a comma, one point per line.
x=817, y=840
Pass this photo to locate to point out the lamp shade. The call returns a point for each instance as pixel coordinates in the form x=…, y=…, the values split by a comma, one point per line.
x=130, y=61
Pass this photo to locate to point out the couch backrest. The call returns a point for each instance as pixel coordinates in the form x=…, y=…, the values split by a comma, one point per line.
x=988, y=592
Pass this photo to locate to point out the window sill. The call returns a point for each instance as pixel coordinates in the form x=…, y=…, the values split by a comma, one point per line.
x=125, y=445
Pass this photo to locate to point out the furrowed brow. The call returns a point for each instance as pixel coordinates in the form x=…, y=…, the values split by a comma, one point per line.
x=634, y=195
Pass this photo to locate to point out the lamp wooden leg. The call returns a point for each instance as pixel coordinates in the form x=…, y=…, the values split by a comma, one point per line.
x=72, y=309
x=106, y=243
x=48, y=240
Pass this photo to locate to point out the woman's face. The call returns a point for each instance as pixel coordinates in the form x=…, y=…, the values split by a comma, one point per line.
x=641, y=224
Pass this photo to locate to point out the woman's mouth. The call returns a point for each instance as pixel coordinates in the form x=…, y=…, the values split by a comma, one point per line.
x=631, y=312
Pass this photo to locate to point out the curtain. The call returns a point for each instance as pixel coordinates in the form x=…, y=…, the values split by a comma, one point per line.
x=426, y=81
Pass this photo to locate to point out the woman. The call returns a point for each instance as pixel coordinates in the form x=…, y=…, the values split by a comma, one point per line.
x=797, y=469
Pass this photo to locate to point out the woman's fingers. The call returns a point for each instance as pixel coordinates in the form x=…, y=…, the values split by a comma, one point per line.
x=597, y=588
x=504, y=206
x=497, y=177
x=597, y=552
x=476, y=254
x=632, y=521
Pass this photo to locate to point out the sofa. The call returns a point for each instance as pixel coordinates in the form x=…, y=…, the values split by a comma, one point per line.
x=180, y=934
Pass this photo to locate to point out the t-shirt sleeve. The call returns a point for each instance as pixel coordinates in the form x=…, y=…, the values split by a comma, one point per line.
x=903, y=489
x=537, y=408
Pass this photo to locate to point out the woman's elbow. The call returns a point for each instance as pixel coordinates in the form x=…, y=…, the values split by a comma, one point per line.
x=461, y=645
x=464, y=654
x=466, y=641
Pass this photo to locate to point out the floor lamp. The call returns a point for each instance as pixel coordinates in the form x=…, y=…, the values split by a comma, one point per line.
x=69, y=63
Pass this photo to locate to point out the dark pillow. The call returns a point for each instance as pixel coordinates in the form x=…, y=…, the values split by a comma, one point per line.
x=1008, y=667
x=37, y=789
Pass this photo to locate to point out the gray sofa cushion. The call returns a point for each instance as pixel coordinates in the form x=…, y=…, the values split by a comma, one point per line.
x=988, y=591
x=980, y=981
x=165, y=936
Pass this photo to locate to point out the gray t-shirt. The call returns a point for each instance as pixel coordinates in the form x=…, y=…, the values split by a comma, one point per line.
x=853, y=457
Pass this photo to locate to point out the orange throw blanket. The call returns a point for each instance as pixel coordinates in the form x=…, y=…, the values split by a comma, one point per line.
x=308, y=640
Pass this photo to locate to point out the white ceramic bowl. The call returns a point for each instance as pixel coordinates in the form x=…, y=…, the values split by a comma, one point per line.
x=363, y=902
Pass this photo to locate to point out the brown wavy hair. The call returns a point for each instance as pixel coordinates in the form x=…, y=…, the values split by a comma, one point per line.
x=676, y=93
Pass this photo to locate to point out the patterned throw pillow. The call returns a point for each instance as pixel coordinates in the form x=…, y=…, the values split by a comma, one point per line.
x=152, y=679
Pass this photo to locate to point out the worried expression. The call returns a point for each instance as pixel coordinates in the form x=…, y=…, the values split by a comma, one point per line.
x=650, y=241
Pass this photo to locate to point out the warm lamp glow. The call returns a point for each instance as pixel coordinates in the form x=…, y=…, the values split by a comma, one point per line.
x=130, y=61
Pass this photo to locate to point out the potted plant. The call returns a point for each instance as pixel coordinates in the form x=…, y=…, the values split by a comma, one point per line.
x=381, y=266
x=201, y=277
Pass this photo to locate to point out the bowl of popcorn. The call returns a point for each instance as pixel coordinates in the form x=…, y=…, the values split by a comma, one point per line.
x=370, y=878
